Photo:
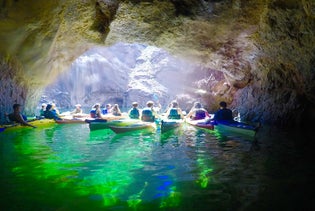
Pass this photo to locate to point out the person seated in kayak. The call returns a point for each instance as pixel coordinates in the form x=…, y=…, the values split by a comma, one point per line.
x=96, y=111
x=116, y=111
x=78, y=110
x=148, y=114
x=107, y=109
x=174, y=112
x=50, y=113
x=55, y=109
x=134, y=112
x=17, y=117
x=223, y=113
x=42, y=110
x=197, y=112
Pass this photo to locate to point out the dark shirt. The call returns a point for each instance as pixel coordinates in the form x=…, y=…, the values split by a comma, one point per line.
x=147, y=115
x=51, y=115
x=14, y=117
x=223, y=114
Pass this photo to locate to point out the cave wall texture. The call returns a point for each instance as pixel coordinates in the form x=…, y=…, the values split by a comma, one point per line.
x=264, y=49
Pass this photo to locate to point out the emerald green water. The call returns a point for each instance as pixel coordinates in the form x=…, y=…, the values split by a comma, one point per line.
x=67, y=167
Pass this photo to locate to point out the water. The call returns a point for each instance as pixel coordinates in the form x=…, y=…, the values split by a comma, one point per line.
x=67, y=167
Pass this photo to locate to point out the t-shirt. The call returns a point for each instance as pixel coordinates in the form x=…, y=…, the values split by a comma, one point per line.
x=223, y=114
x=147, y=115
x=134, y=113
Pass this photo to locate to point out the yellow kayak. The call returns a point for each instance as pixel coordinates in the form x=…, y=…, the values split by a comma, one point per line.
x=36, y=123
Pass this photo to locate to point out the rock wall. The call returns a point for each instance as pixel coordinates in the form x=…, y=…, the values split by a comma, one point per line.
x=283, y=88
x=46, y=36
x=13, y=86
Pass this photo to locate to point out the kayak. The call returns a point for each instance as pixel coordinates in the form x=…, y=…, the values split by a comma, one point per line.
x=18, y=126
x=128, y=125
x=97, y=124
x=110, y=117
x=202, y=123
x=71, y=121
x=169, y=124
x=236, y=127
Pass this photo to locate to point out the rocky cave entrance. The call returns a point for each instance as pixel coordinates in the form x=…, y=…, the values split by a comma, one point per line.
x=124, y=73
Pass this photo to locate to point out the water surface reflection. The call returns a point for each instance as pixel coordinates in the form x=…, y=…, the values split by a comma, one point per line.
x=68, y=167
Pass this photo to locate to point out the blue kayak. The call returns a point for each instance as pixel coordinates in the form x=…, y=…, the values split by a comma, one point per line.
x=234, y=127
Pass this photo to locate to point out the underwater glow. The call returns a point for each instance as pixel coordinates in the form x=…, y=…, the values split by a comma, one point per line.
x=67, y=166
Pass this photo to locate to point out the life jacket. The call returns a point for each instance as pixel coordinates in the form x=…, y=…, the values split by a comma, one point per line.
x=50, y=115
x=200, y=114
x=147, y=115
x=173, y=114
x=104, y=111
x=134, y=113
x=93, y=113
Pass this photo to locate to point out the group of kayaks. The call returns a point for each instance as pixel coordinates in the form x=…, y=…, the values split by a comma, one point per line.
x=122, y=124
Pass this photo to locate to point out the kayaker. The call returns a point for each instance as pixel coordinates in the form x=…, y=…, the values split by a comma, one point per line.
x=197, y=112
x=174, y=112
x=42, y=110
x=223, y=113
x=77, y=110
x=116, y=111
x=16, y=116
x=50, y=113
x=96, y=111
x=107, y=109
x=55, y=109
x=134, y=112
x=148, y=114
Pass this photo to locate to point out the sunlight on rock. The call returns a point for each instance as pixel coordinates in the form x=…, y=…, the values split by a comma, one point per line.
x=121, y=73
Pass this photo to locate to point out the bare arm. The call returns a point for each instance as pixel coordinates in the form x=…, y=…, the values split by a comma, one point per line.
x=20, y=119
x=189, y=114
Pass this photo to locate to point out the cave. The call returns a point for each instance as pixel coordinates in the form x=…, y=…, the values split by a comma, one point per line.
x=258, y=56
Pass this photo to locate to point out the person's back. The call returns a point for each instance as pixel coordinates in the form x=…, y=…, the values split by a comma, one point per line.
x=147, y=114
x=54, y=109
x=77, y=110
x=42, y=110
x=50, y=114
x=107, y=109
x=134, y=112
x=197, y=112
x=95, y=112
x=116, y=111
x=223, y=113
x=174, y=114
